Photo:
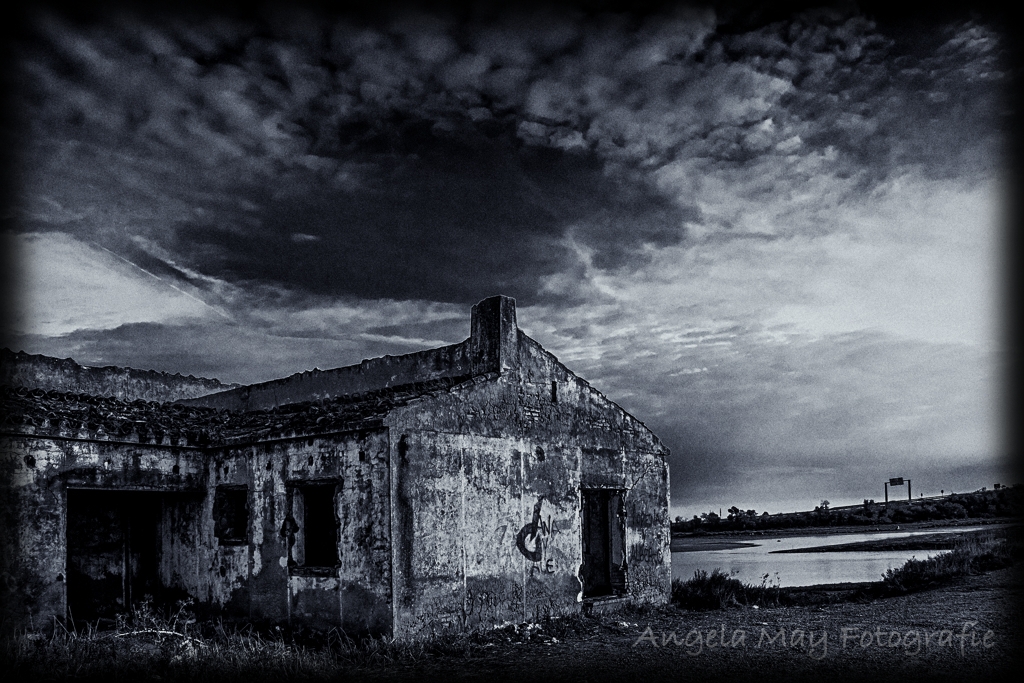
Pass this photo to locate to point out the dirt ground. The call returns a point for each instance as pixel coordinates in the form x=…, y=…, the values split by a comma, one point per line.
x=968, y=631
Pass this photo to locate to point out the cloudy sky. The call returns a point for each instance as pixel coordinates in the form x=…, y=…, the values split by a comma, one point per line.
x=773, y=236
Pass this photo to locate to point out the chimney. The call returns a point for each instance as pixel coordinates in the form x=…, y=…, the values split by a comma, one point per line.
x=495, y=335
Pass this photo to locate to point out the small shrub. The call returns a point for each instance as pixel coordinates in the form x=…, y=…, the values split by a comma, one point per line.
x=719, y=590
x=716, y=590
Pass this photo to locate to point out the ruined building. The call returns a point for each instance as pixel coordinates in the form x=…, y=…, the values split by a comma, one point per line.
x=456, y=488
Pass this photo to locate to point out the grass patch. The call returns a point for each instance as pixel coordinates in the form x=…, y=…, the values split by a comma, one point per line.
x=174, y=646
x=144, y=645
x=970, y=555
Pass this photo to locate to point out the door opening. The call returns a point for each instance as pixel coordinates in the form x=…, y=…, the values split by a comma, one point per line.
x=604, y=568
x=113, y=553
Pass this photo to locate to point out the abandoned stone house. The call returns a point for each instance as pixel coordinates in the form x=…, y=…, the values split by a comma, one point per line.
x=456, y=488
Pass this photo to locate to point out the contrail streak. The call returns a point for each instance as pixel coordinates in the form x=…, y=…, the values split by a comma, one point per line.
x=161, y=280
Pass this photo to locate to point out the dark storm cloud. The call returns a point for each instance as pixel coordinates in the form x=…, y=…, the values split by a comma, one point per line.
x=451, y=224
x=370, y=153
x=374, y=149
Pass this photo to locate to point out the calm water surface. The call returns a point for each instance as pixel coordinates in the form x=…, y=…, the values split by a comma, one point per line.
x=750, y=564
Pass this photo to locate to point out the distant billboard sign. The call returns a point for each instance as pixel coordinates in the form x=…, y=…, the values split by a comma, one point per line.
x=896, y=481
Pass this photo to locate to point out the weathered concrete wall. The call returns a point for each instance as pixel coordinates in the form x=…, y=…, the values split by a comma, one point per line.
x=488, y=348
x=355, y=594
x=175, y=459
x=486, y=491
x=128, y=384
x=253, y=579
x=314, y=385
x=32, y=533
x=468, y=511
x=618, y=453
x=38, y=471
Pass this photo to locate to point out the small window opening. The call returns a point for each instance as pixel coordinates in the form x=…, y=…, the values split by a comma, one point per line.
x=554, y=392
x=540, y=453
x=320, y=526
x=231, y=515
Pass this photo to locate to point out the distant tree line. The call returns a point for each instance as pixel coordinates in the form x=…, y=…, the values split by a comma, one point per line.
x=982, y=504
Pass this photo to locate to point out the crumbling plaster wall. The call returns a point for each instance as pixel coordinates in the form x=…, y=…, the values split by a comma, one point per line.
x=501, y=459
x=618, y=452
x=460, y=503
x=251, y=580
x=461, y=510
x=355, y=595
x=38, y=470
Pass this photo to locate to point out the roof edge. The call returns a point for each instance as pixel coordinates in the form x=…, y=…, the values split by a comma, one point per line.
x=491, y=347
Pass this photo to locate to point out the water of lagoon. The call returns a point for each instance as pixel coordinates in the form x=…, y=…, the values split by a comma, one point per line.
x=750, y=564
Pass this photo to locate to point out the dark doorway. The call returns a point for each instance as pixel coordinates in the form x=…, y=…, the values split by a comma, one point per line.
x=113, y=556
x=320, y=532
x=313, y=525
x=603, y=571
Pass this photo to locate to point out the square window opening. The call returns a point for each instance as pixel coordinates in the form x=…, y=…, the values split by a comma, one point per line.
x=231, y=515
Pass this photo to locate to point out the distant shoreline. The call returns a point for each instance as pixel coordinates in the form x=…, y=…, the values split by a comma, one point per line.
x=938, y=541
x=728, y=540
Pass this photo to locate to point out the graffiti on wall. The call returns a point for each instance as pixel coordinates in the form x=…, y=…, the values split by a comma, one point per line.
x=529, y=540
x=640, y=552
x=532, y=538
